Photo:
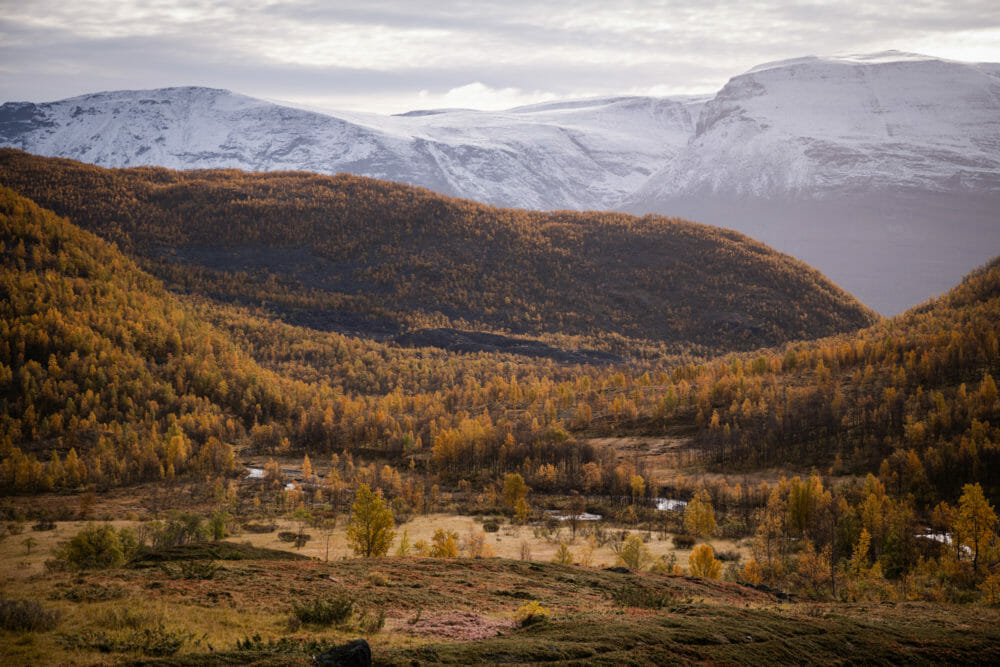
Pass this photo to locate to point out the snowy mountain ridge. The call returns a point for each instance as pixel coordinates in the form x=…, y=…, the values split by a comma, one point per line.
x=583, y=155
x=801, y=127
x=809, y=126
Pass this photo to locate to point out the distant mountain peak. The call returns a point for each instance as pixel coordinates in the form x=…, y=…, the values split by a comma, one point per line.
x=879, y=58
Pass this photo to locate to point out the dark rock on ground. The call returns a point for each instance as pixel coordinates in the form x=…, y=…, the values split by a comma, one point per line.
x=354, y=654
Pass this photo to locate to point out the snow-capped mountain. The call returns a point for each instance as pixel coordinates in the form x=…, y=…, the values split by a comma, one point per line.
x=582, y=154
x=810, y=127
x=881, y=170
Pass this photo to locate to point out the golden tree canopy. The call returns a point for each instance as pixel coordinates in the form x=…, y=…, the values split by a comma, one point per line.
x=371, y=528
x=699, y=516
x=703, y=563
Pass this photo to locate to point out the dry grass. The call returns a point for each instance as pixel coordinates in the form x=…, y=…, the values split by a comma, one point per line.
x=451, y=608
x=507, y=543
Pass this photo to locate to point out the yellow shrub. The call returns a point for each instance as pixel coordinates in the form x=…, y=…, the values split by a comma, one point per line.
x=703, y=563
x=751, y=573
x=531, y=612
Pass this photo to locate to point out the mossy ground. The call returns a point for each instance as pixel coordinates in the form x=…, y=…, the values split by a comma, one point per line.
x=693, y=620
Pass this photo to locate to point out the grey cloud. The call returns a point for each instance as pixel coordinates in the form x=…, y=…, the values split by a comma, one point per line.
x=554, y=47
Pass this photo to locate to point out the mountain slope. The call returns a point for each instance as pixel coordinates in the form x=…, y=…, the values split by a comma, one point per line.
x=101, y=367
x=882, y=171
x=913, y=397
x=581, y=155
x=401, y=253
x=810, y=127
x=805, y=127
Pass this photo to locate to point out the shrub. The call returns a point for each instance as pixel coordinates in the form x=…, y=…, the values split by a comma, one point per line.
x=733, y=529
x=377, y=579
x=192, y=569
x=325, y=612
x=634, y=554
x=731, y=556
x=21, y=615
x=372, y=624
x=531, y=613
x=664, y=565
x=217, y=525
x=646, y=598
x=123, y=617
x=703, y=563
x=92, y=593
x=285, y=645
x=683, y=541
x=156, y=641
x=752, y=573
x=298, y=539
x=44, y=524
x=94, y=547
x=444, y=544
x=260, y=527
x=491, y=526
x=563, y=555
x=179, y=528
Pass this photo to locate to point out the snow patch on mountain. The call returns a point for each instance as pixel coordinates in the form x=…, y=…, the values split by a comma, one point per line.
x=587, y=154
x=811, y=126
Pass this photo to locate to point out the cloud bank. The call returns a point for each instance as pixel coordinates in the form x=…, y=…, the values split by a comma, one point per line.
x=394, y=55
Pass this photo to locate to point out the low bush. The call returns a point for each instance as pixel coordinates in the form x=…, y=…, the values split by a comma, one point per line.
x=91, y=593
x=730, y=556
x=44, y=524
x=684, y=541
x=94, y=547
x=285, y=645
x=377, y=579
x=260, y=528
x=298, y=539
x=531, y=613
x=325, y=612
x=21, y=615
x=491, y=526
x=154, y=642
x=645, y=598
x=192, y=569
x=123, y=617
x=372, y=625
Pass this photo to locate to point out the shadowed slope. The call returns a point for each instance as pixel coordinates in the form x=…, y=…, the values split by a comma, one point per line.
x=427, y=260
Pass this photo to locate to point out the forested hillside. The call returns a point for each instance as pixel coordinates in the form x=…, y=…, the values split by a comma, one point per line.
x=105, y=378
x=100, y=359
x=915, y=395
x=325, y=250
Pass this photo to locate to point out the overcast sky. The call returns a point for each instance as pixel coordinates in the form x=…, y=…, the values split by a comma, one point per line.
x=397, y=55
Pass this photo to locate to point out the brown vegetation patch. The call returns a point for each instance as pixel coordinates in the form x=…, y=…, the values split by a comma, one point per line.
x=458, y=625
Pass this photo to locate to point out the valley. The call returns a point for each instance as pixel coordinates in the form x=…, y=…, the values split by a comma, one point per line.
x=154, y=348
x=393, y=333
